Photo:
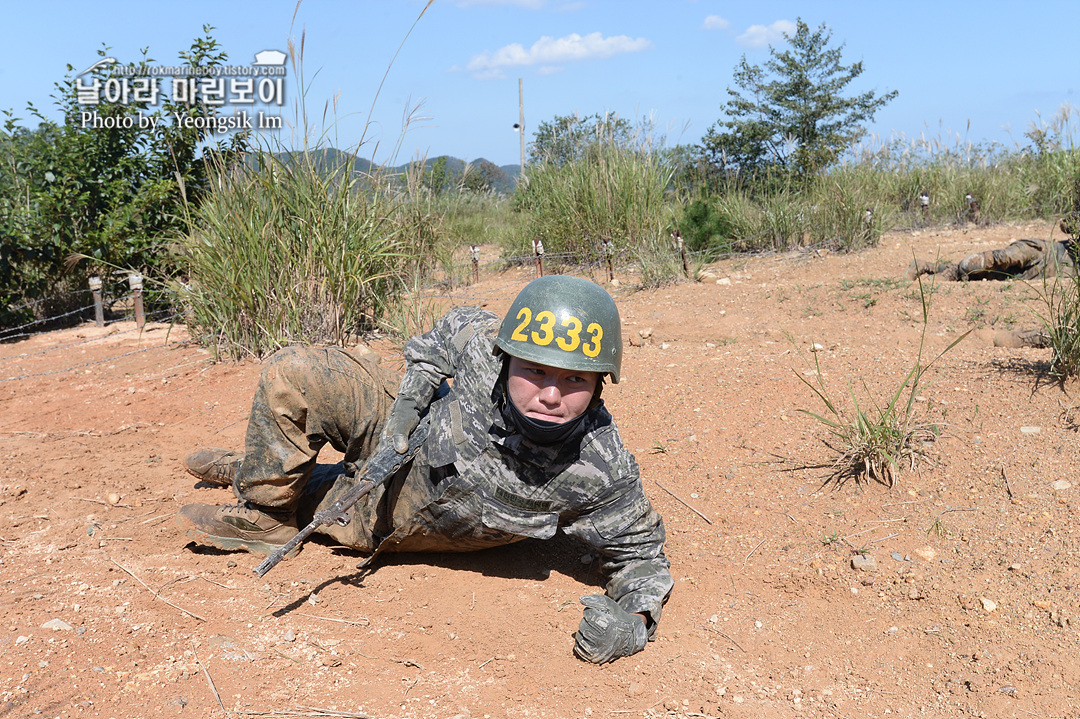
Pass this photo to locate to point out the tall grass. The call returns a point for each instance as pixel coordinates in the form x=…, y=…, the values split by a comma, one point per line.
x=616, y=193
x=283, y=251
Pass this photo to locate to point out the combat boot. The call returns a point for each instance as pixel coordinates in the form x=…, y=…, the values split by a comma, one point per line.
x=214, y=465
x=237, y=526
x=1022, y=338
x=946, y=270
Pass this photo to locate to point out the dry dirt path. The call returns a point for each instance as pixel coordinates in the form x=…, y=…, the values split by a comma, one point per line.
x=970, y=608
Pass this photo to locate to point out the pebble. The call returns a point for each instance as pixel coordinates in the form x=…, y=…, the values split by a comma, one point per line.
x=724, y=281
x=586, y=559
x=926, y=553
x=289, y=636
x=113, y=498
x=897, y=556
x=1030, y=430
x=57, y=625
x=21, y=640
x=1061, y=484
x=988, y=604
x=864, y=563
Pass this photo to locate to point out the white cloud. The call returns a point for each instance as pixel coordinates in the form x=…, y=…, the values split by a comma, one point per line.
x=760, y=35
x=549, y=51
x=715, y=22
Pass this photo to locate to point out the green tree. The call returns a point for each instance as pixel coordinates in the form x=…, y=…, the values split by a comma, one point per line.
x=567, y=138
x=436, y=177
x=101, y=184
x=792, y=114
x=482, y=176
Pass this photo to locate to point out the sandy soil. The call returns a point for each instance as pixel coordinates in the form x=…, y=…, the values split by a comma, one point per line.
x=971, y=606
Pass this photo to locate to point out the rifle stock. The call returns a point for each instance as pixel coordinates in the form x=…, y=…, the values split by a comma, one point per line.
x=380, y=467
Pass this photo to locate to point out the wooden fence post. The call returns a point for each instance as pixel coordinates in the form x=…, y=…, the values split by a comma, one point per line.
x=99, y=311
x=538, y=248
x=677, y=236
x=135, y=282
x=609, y=253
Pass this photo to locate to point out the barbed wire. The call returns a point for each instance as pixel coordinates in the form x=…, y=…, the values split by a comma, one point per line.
x=456, y=285
x=45, y=320
x=69, y=345
x=35, y=303
x=5, y=334
x=112, y=358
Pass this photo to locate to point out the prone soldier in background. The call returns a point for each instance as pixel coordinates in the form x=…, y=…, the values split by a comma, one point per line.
x=1026, y=259
x=520, y=445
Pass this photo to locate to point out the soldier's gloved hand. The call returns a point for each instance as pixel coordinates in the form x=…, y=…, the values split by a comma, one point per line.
x=404, y=416
x=607, y=631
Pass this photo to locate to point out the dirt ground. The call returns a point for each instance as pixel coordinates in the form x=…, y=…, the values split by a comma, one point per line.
x=970, y=607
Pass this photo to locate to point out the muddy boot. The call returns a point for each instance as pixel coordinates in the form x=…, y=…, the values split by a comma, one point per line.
x=946, y=270
x=1022, y=338
x=237, y=526
x=214, y=465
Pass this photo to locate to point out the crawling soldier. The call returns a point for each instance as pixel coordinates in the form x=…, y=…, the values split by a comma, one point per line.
x=520, y=445
x=1026, y=259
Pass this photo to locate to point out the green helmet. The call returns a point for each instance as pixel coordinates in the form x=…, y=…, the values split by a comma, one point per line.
x=565, y=322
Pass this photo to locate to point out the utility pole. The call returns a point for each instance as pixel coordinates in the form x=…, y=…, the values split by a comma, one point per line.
x=521, y=121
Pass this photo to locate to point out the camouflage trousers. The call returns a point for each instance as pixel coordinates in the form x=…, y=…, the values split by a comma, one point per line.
x=1026, y=259
x=306, y=398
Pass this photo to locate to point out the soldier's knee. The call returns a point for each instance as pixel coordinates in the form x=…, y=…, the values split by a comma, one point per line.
x=291, y=358
x=290, y=365
x=973, y=264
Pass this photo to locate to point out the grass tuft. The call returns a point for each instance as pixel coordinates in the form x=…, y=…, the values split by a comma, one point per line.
x=875, y=440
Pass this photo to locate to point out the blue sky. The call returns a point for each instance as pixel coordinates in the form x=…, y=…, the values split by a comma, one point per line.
x=980, y=71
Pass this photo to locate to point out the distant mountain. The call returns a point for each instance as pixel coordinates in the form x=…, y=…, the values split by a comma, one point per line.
x=330, y=158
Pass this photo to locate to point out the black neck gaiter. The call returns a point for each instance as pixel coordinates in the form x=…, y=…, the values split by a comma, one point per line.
x=537, y=430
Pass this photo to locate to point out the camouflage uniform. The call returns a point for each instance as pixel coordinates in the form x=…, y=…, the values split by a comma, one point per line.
x=476, y=483
x=1025, y=259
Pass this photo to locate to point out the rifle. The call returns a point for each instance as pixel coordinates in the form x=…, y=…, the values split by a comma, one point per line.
x=380, y=467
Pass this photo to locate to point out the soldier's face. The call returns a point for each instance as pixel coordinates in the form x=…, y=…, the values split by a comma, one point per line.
x=548, y=393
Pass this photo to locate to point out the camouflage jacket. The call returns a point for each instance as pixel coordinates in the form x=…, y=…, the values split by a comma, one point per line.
x=479, y=483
